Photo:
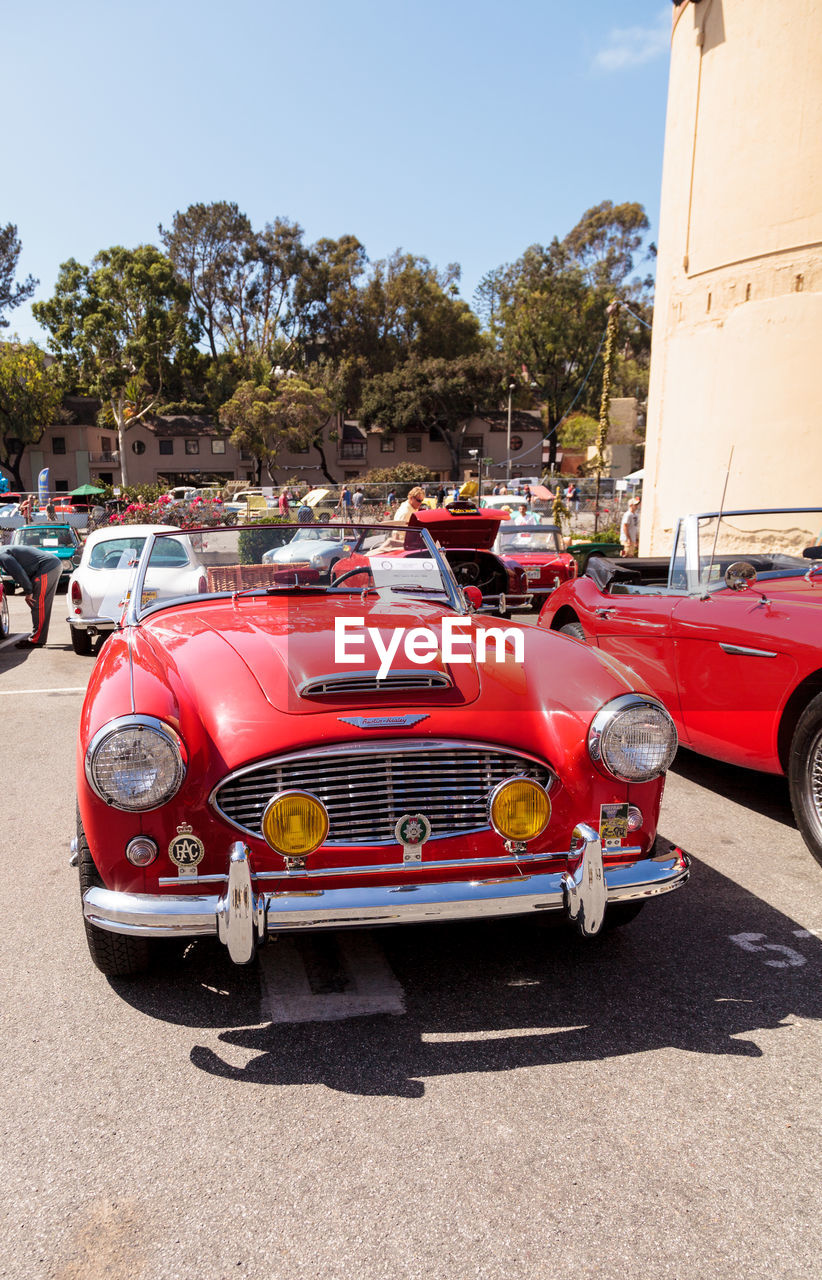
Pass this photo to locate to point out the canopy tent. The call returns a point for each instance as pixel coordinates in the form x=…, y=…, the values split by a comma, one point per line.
x=85, y=491
x=636, y=475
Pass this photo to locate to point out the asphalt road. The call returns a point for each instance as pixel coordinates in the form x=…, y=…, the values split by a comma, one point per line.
x=484, y=1100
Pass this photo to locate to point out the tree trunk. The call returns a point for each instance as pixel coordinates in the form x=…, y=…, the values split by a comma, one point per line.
x=118, y=412
x=321, y=451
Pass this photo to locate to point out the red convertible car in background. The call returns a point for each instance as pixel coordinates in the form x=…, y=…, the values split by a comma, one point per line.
x=728, y=634
x=268, y=752
x=467, y=535
x=539, y=550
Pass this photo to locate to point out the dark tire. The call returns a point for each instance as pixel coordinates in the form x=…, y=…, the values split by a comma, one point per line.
x=80, y=641
x=805, y=776
x=621, y=913
x=4, y=618
x=115, y=954
x=573, y=629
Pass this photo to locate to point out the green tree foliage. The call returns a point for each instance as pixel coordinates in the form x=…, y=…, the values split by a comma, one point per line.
x=547, y=312
x=434, y=395
x=265, y=420
x=407, y=473
x=30, y=396
x=577, y=431
x=240, y=280
x=364, y=319
x=11, y=294
x=117, y=325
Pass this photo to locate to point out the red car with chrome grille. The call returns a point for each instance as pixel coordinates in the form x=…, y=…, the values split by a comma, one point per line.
x=271, y=751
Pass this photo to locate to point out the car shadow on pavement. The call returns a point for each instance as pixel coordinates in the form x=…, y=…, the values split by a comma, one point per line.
x=764, y=793
x=703, y=971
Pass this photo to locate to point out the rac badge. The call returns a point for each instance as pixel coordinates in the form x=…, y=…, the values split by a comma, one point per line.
x=186, y=851
x=412, y=830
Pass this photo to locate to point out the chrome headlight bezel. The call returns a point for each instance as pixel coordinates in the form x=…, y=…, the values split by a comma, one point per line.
x=165, y=735
x=604, y=724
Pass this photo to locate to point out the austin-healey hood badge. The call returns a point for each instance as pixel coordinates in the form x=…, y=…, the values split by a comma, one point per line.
x=381, y=722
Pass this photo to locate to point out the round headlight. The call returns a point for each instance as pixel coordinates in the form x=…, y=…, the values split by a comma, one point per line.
x=295, y=823
x=519, y=809
x=135, y=763
x=633, y=738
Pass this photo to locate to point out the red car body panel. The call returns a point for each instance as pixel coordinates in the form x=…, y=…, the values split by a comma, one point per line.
x=727, y=705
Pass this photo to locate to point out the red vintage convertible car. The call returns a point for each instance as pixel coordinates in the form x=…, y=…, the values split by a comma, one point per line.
x=467, y=537
x=728, y=634
x=538, y=549
x=271, y=752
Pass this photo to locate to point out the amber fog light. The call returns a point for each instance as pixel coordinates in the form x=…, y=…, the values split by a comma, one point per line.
x=295, y=823
x=141, y=852
x=519, y=809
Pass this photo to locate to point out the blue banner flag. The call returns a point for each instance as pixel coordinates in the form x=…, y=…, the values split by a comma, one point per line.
x=43, y=486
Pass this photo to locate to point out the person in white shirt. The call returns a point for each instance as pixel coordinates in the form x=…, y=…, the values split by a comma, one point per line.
x=629, y=529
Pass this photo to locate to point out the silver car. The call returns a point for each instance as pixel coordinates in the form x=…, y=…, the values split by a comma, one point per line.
x=314, y=546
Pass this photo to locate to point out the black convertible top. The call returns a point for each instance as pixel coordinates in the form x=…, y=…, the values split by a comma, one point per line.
x=604, y=571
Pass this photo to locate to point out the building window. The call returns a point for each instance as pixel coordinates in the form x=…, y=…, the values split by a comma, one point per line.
x=415, y=444
x=467, y=443
x=516, y=443
x=58, y=444
x=138, y=447
x=61, y=486
x=192, y=446
x=166, y=446
x=218, y=446
x=352, y=449
x=387, y=444
x=105, y=444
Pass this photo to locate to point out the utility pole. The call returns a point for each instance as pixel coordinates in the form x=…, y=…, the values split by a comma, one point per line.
x=512, y=386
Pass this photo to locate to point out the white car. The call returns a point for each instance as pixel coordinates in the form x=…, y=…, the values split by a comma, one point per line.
x=99, y=587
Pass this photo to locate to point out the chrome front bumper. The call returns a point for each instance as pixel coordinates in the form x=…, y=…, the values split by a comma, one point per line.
x=241, y=918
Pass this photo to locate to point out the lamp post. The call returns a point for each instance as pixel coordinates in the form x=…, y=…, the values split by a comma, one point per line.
x=512, y=386
x=477, y=453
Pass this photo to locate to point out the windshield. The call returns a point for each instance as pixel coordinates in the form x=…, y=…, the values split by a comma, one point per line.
x=46, y=538
x=525, y=539
x=772, y=541
x=384, y=560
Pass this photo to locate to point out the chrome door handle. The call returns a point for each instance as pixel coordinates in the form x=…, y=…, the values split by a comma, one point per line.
x=604, y=613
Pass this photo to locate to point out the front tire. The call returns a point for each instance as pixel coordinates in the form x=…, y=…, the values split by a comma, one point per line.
x=80, y=641
x=573, y=629
x=805, y=776
x=4, y=618
x=116, y=955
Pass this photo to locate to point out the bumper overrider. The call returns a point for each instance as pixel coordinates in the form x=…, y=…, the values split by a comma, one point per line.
x=242, y=918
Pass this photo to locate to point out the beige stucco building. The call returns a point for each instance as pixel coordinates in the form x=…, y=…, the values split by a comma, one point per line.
x=737, y=342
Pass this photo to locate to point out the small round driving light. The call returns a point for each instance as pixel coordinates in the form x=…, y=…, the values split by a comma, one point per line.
x=519, y=809
x=141, y=851
x=635, y=818
x=295, y=823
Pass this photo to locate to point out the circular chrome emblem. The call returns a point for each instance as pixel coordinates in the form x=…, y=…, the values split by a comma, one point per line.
x=412, y=828
x=186, y=850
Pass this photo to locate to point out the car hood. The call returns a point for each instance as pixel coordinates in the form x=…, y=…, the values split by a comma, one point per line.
x=237, y=673
x=477, y=530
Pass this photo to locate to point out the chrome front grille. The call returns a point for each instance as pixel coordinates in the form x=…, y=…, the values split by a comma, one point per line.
x=367, y=789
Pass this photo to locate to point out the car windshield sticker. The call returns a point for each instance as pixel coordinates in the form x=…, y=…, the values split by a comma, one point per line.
x=186, y=851
x=396, y=571
x=412, y=830
x=613, y=823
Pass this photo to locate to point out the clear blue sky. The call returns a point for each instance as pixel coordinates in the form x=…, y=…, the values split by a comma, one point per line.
x=460, y=131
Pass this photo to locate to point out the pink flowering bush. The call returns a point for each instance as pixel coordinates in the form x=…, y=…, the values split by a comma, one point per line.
x=199, y=514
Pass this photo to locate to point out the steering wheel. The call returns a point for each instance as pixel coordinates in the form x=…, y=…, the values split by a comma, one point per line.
x=468, y=574
x=349, y=573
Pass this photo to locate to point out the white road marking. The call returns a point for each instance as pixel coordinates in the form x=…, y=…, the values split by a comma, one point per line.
x=13, y=693
x=753, y=942
x=360, y=968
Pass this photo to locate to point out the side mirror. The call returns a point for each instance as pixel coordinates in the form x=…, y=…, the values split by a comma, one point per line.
x=473, y=596
x=740, y=575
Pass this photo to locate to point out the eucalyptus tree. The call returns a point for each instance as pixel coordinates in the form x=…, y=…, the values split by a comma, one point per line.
x=12, y=294
x=116, y=326
x=241, y=280
x=434, y=395
x=266, y=419
x=30, y=395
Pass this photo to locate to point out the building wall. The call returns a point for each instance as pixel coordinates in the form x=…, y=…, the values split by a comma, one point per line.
x=738, y=319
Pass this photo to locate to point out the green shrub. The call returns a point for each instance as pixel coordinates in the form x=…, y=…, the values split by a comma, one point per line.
x=260, y=537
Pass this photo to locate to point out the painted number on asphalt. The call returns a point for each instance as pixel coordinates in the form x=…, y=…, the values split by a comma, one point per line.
x=755, y=942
